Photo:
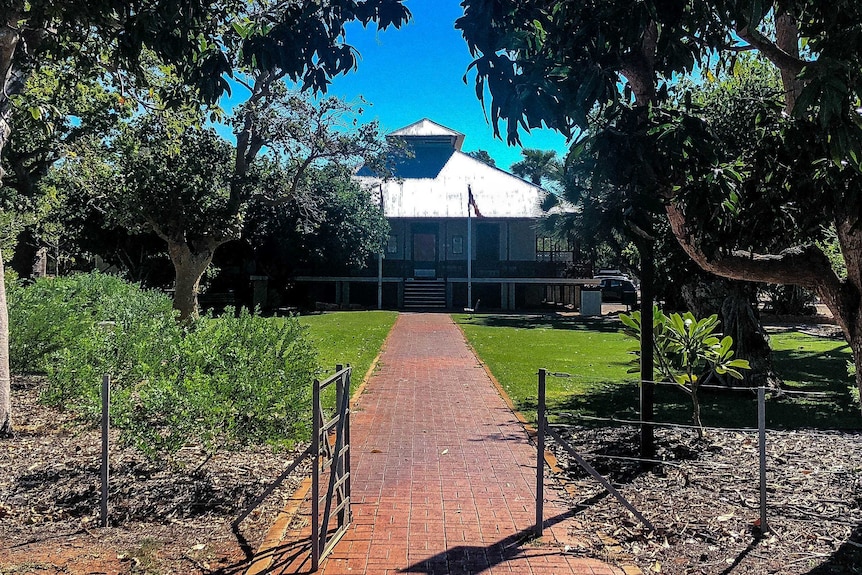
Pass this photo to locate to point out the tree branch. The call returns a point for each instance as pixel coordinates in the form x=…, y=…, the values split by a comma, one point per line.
x=784, y=61
x=805, y=266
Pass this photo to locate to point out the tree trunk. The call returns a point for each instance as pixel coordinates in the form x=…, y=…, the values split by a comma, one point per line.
x=695, y=410
x=40, y=264
x=190, y=263
x=647, y=387
x=805, y=266
x=731, y=300
x=12, y=83
x=5, y=376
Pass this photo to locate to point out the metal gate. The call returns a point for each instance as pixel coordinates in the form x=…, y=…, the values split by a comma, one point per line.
x=331, y=445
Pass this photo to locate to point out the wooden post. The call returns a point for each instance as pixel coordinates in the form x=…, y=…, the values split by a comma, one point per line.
x=540, y=455
x=106, y=404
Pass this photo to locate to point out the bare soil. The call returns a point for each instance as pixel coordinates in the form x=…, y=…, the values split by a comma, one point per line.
x=163, y=518
x=704, y=501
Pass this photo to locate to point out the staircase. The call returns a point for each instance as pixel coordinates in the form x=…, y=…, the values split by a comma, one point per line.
x=424, y=294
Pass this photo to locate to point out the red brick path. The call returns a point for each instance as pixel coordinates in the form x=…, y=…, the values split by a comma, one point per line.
x=444, y=476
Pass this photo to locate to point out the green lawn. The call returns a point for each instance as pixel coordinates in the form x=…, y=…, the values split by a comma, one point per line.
x=351, y=337
x=597, y=356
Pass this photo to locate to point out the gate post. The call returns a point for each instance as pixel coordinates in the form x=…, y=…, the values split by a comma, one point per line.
x=540, y=454
x=315, y=477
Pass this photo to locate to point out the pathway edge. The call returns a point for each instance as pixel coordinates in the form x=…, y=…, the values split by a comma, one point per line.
x=262, y=560
x=550, y=458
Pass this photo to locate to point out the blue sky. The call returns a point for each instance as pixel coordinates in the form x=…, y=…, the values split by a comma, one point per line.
x=416, y=72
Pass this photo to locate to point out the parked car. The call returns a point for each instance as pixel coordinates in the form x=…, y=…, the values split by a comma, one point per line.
x=620, y=290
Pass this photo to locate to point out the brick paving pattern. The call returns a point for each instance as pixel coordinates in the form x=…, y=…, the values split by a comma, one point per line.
x=443, y=473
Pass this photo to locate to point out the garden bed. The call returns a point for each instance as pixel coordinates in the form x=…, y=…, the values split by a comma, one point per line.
x=163, y=519
x=704, y=501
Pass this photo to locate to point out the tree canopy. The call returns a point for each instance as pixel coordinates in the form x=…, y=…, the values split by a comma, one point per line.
x=608, y=73
x=204, y=43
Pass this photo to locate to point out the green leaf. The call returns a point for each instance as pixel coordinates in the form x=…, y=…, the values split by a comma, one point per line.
x=683, y=379
x=632, y=321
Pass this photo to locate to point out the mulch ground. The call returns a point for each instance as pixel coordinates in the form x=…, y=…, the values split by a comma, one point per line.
x=163, y=518
x=177, y=518
x=704, y=501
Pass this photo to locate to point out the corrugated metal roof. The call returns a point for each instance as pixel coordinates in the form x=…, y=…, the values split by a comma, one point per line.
x=433, y=182
x=428, y=128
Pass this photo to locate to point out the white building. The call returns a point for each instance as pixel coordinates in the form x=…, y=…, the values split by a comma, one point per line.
x=443, y=205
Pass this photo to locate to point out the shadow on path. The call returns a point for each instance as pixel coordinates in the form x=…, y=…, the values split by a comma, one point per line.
x=471, y=559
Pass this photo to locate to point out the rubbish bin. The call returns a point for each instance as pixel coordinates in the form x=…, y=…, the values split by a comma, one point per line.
x=591, y=302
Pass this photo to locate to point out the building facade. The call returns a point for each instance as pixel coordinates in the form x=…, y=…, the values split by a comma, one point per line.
x=462, y=233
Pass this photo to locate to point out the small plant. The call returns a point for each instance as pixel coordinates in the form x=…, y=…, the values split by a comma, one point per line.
x=687, y=350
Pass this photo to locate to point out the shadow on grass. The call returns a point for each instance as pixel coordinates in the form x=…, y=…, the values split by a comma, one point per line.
x=820, y=370
x=734, y=408
x=607, y=324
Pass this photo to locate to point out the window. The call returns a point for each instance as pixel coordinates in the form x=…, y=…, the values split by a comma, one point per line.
x=553, y=249
x=392, y=244
x=457, y=244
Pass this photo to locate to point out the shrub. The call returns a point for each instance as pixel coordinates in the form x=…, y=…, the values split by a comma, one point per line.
x=55, y=315
x=789, y=300
x=230, y=381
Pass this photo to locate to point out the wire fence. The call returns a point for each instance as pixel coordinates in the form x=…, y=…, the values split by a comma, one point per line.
x=762, y=394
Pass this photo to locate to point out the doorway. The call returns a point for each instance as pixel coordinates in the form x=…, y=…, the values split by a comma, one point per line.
x=424, y=251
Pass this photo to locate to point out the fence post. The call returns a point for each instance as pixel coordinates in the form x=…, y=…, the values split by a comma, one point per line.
x=540, y=454
x=106, y=405
x=761, y=431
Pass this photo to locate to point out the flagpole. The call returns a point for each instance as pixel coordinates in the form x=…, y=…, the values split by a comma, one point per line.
x=380, y=255
x=469, y=250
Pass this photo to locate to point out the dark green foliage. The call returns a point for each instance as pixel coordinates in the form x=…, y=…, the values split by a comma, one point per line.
x=483, y=156
x=789, y=300
x=220, y=382
x=333, y=230
x=225, y=382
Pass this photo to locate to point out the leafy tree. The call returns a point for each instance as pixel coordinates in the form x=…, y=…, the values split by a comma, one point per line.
x=182, y=182
x=538, y=166
x=304, y=42
x=59, y=107
x=679, y=282
x=335, y=232
x=483, y=156
x=556, y=63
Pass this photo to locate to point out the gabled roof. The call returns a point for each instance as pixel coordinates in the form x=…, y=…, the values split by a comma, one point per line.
x=432, y=182
x=428, y=130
